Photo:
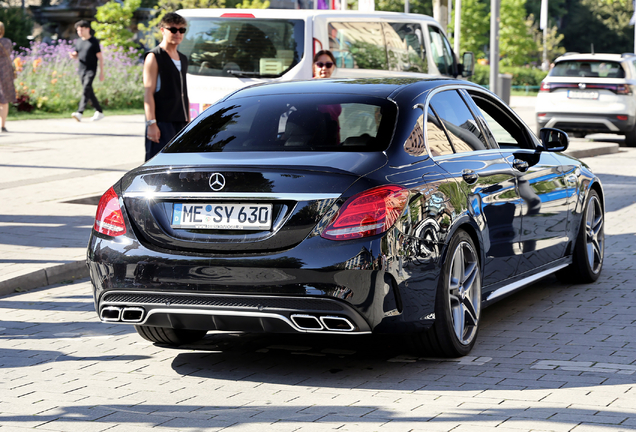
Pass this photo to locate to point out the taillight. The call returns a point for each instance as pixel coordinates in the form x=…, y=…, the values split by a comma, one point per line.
x=109, y=219
x=237, y=15
x=368, y=213
x=544, y=87
x=623, y=89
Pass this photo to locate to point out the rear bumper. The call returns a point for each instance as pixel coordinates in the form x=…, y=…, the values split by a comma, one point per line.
x=230, y=312
x=352, y=287
x=590, y=123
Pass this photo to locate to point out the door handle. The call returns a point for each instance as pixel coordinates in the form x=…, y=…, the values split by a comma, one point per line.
x=520, y=165
x=470, y=176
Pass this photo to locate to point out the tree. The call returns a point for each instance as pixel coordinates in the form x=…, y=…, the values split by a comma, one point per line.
x=424, y=7
x=602, y=23
x=475, y=27
x=113, y=23
x=553, y=41
x=165, y=6
x=17, y=25
x=253, y=4
x=515, y=38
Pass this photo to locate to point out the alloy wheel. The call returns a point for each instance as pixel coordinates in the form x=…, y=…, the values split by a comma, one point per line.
x=594, y=234
x=464, y=288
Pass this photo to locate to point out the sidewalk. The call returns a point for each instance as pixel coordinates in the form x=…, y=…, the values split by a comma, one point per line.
x=53, y=173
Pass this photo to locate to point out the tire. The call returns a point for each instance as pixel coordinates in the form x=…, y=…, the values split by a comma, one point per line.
x=457, y=303
x=170, y=336
x=589, y=251
x=630, y=138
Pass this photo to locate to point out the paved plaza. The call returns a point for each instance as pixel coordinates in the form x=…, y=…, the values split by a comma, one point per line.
x=553, y=357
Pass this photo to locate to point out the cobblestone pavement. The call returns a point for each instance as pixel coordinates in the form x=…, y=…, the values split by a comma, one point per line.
x=554, y=357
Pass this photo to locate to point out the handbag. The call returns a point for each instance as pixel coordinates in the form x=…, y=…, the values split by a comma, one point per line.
x=15, y=72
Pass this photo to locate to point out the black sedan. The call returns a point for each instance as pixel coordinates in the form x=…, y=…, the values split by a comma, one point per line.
x=344, y=207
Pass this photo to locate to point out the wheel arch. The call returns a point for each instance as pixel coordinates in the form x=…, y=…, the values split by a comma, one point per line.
x=467, y=225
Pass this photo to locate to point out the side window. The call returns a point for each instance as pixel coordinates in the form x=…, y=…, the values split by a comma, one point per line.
x=414, y=144
x=436, y=138
x=441, y=51
x=504, y=128
x=375, y=45
x=460, y=123
x=405, y=47
x=358, y=45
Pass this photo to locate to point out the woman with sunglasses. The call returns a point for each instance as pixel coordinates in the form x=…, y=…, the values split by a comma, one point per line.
x=166, y=103
x=324, y=64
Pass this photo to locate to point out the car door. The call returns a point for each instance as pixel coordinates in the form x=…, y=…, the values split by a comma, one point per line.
x=458, y=144
x=541, y=184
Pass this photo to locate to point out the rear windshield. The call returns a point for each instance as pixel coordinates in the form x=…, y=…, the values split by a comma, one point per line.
x=346, y=123
x=243, y=47
x=587, y=68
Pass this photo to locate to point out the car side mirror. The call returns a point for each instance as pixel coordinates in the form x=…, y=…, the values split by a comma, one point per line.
x=468, y=63
x=554, y=140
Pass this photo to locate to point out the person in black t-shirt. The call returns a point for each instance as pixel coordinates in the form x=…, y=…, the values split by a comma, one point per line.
x=89, y=54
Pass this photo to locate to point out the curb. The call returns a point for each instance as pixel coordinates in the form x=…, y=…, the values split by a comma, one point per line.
x=597, y=150
x=63, y=273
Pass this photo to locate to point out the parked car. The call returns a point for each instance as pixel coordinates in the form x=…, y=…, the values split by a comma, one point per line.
x=344, y=207
x=228, y=49
x=590, y=93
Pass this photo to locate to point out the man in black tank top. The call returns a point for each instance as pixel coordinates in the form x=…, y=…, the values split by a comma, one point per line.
x=166, y=103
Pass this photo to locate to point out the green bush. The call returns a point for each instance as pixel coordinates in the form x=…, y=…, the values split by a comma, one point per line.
x=17, y=25
x=521, y=76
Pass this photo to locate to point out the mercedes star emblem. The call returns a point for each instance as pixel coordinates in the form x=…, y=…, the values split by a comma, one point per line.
x=217, y=182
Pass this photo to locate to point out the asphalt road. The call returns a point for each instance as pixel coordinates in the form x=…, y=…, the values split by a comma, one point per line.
x=553, y=357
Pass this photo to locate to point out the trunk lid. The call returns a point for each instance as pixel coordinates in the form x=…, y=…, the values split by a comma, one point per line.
x=223, y=203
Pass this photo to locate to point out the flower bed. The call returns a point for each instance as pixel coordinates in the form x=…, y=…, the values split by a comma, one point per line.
x=47, y=79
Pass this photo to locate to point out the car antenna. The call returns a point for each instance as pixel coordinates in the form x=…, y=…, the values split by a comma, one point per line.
x=592, y=46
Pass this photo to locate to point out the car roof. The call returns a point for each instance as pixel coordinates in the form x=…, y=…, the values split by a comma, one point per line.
x=378, y=87
x=596, y=57
x=300, y=14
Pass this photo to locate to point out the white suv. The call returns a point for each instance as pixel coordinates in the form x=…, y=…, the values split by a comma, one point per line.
x=590, y=93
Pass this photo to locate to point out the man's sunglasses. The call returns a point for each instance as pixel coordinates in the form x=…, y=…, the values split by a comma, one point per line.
x=174, y=30
x=328, y=65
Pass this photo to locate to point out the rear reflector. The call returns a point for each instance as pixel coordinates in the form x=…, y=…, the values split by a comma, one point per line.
x=622, y=117
x=109, y=219
x=368, y=213
x=237, y=15
x=541, y=114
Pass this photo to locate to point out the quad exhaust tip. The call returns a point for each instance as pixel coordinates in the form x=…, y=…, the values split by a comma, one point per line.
x=329, y=323
x=132, y=314
x=125, y=314
x=307, y=322
x=111, y=314
x=335, y=323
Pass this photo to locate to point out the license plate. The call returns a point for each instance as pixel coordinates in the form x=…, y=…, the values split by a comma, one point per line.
x=579, y=94
x=222, y=216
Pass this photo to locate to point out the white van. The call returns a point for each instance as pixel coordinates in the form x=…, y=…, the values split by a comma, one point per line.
x=228, y=49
